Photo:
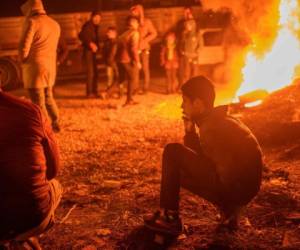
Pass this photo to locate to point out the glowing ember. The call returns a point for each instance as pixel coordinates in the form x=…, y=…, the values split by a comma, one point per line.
x=276, y=68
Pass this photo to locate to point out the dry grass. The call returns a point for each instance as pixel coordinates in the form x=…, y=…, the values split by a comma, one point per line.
x=111, y=173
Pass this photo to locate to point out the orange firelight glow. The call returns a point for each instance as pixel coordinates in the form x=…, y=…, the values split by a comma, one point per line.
x=276, y=68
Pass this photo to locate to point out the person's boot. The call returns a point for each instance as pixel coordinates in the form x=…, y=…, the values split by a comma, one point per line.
x=130, y=102
x=164, y=223
x=33, y=242
x=230, y=219
x=56, y=127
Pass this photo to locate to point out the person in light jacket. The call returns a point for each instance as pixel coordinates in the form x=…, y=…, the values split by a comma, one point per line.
x=147, y=34
x=38, y=54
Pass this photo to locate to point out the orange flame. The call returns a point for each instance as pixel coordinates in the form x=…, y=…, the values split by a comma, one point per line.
x=276, y=69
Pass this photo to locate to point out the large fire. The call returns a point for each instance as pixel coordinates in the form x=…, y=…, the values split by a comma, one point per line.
x=276, y=68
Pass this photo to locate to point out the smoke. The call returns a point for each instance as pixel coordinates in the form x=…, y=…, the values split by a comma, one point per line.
x=254, y=21
x=258, y=19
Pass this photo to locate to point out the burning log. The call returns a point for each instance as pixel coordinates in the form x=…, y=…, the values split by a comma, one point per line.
x=248, y=100
x=253, y=96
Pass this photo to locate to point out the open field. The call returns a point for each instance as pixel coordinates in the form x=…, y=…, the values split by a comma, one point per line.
x=111, y=174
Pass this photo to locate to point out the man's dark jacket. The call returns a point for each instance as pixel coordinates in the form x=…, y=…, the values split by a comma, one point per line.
x=28, y=160
x=89, y=34
x=235, y=152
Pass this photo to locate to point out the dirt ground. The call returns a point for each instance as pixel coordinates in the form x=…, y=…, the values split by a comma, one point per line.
x=111, y=160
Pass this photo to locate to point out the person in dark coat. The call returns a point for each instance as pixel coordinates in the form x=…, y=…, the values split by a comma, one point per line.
x=223, y=165
x=89, y=36
x=29, y=163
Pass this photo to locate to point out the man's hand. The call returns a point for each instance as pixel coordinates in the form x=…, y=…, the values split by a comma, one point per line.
x=93, y=47
x=139, y=65
x=189, y=125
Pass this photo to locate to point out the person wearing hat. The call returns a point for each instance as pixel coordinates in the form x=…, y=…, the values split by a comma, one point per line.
x=223, y=165
x=38, y=54
x=29, y=164
x=148, y=33
x=89, y=37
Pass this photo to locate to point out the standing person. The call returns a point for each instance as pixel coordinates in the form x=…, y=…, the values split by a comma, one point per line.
x=147, y=34
x=89, y=36
x=169, y=60
x=29, y=160
x=38, y=52
x=110, y=49
x=187, y=15
x=180, y=29
x=128, y=56
x=188, y=47
x=223, y=165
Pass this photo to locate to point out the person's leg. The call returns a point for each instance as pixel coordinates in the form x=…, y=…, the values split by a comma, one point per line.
x=56, y=193
x=110, y=76
x=145, y=56
x=182, y=167
x=187, y=69
x=90, y=72
x=95, y=79
x=181, y=72
x=169, y=80
x=31, y=236
x=128, y=71
x=194, y=70
x=52, y=108
x=37, y=96
x=174, y=80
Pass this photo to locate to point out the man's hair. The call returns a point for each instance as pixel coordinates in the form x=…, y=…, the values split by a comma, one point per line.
x=96, y=13
x=111, y=28
x=202, y=88
x=129, y=18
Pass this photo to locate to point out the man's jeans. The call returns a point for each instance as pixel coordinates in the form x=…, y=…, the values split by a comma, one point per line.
x=92, y=72
x=132, y=75
x=145, y=57
x=182, y=167
x=43, y=97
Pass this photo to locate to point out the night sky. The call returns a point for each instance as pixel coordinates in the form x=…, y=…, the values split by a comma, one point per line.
x=12, y=7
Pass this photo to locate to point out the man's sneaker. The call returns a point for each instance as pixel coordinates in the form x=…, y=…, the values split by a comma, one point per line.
x=163, y=224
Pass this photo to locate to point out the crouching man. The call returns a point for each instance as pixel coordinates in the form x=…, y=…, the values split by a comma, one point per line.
x=223, y=165
x=29, y=162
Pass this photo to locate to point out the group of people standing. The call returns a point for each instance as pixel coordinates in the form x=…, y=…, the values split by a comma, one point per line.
x=124, y=55
x=128, y=53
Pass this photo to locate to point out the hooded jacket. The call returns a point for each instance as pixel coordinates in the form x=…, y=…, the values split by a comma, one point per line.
x=235, y=152
x=38, y=46
x=147, y=30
